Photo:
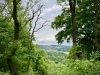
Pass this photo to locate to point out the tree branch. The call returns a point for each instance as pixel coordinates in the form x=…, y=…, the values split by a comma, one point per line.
x=33, y=14
x=43, y=25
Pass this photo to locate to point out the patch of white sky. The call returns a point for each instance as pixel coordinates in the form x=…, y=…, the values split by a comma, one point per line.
x=1, y=1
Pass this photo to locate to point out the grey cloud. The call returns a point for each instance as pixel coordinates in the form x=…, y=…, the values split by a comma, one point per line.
x=46, y=36
x=49, y=3
x=50, y=13
x=47, y=42
x=52, y=42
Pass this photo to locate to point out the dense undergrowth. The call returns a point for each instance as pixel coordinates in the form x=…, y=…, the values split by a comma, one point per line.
x=72, y=67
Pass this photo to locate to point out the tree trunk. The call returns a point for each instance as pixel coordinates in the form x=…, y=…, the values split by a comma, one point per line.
x=72, y=10
x=11, y=66
x=10, y=63
x=96, y=29
x=73, y=28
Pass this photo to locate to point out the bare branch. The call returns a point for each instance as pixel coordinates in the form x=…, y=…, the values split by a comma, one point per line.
x=43, y=25
x=33, y=14
x=36, y=11
x=2, y=6
x=37, y=21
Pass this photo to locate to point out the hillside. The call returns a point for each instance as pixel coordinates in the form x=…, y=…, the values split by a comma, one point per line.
x=63, y=48
x=56, y=53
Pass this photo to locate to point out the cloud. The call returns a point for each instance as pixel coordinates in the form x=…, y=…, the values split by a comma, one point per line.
x=51, y=12
x=2, y=1
x=47, y=42
x=49, y=3
x=46, y=36
x=53, y=8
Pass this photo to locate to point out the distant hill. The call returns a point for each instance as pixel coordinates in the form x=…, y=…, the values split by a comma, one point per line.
x=63, y=48
x=56, y=53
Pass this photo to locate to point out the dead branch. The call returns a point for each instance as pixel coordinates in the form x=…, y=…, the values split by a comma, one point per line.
x=34, y=13
x=2, y=6
x=43, y=25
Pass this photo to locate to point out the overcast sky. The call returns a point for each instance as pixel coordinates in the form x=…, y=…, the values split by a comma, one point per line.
x=46, y=36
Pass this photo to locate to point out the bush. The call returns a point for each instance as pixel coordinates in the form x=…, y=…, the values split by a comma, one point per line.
x=75, y=67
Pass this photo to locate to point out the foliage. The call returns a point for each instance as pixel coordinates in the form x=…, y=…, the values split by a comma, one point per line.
x=75, y=67
x=63, y=22
x=57, y=57
x=29, y=59
x=85, y=28
x=5, y=41
x=27, y=56
x=83, y=67
x=56, y=53
x=95, y=55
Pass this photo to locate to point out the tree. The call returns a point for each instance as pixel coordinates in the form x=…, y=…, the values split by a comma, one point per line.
x=21, y=26
x=16, y=37
x=85, y=28
x=71, y=11
x=96, y=24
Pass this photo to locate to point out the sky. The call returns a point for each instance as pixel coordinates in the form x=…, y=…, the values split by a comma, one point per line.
x=46, y=36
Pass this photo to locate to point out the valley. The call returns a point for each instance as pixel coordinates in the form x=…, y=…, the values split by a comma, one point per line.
x=56, y=53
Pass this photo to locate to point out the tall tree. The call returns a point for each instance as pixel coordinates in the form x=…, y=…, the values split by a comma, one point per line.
x=16, y=37
x=86, y=28
x=66, y=32
x=13, y=12
x=96, y=23
x=72, y=4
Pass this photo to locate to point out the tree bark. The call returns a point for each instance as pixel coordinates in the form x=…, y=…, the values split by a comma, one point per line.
x=96, y=29
x=10, y=63
x=72, y=9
